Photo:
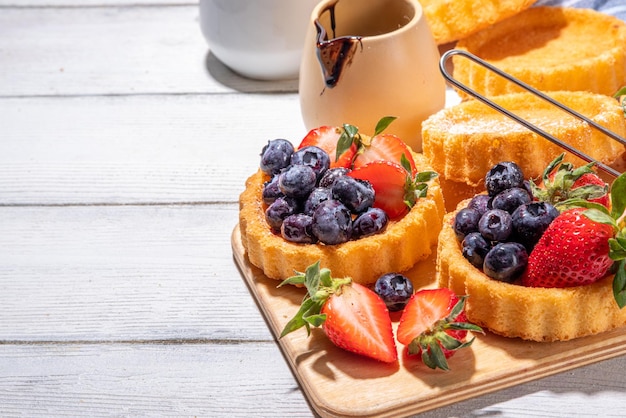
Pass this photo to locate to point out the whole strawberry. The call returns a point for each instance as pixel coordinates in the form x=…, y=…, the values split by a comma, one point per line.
x=434, y=325
x=561, y=181
x=352, y=316
x=573, y=251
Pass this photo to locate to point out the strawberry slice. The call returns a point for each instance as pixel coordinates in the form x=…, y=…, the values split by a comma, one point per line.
x=352, y=316
x=326, y=138
x=385, y=147
x=396, y=190
x=434, y=325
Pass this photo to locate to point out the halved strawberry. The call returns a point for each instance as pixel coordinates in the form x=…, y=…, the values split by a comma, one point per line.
x=352, y=316
x=396, y=189
x=561, y=181
x=385, y=147
x=434, y=325
x=326, y=138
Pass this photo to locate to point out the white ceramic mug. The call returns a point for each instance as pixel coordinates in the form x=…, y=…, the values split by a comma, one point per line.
x=366, y=59
x=260, y=39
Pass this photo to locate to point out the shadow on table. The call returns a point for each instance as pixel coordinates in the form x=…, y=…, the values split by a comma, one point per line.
x=228, y=78
x=587, y=384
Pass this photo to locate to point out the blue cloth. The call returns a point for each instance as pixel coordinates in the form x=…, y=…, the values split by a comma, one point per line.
x=611, y=7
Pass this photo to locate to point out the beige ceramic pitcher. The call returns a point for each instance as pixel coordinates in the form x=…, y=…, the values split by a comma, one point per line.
x=366, y=59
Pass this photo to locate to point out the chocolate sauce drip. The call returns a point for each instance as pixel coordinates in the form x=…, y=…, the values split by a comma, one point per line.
x=335, y=54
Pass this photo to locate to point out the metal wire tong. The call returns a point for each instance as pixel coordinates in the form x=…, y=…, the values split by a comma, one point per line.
x=518, y=119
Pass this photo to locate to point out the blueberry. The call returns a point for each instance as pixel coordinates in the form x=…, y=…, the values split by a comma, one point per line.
x=395, y=290
x=502, y=176
x=466, y=221
x=475, y=247
x=357, y=195
x=276, y=155
x=271, y=191
x=511, y=199
x=317, y=196
x=531, y=220
x=332, y=174
x=279, y=210
x=370, y=222
x=297, y=181
x=314, y=157
x=297, y=228
x=495, y=225
x=332, y=222
x=480, y=202
x=505, y=261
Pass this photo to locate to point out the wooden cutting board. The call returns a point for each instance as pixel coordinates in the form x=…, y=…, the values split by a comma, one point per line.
x=341, y=384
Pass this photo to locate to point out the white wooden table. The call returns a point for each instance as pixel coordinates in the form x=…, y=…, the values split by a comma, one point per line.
x=124, y=145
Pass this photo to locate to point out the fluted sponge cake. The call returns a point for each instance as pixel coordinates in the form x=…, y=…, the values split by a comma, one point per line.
x=464, y=141
x=450, y=20
x=550, y=48
x=531, y=313
x=405, y=241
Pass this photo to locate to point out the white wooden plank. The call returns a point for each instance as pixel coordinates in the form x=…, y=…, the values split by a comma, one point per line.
x=112, y=50
x=147, y=380
x=159, y=149
x=93, y=273
x=241, y=380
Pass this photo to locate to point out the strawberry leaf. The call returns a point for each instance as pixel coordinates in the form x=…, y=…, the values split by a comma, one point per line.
x=619, y=284
x=618, y=196
x=600, y=216
x=434, y=357
x=620, y=92
x=405, y=163
x=298, y=320
x=464, y=326
x=425, y=176
x=617, y=247
x=383, y=124
x=315, y=319
x=312, y=278
x=346, y=139
x=320, y=286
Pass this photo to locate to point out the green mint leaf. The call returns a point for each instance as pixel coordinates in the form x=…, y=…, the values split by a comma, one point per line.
x=619, y=284
x=383, y=124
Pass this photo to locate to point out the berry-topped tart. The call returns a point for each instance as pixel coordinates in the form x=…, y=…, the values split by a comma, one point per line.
x=540, y=260
x=361, y=206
